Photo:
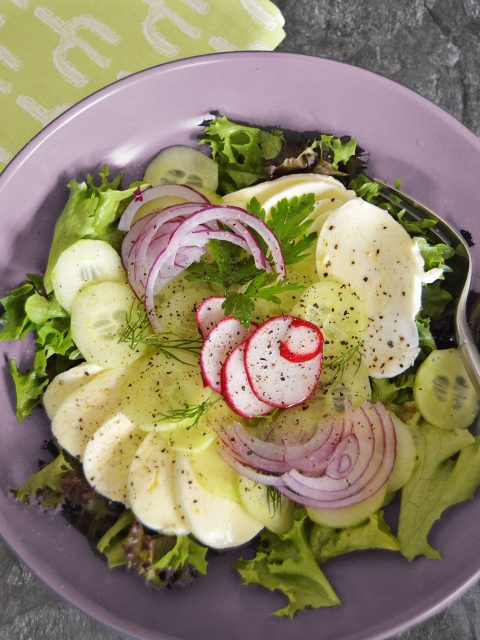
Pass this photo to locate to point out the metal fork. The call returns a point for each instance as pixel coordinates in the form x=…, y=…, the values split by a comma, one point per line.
x=447, y=235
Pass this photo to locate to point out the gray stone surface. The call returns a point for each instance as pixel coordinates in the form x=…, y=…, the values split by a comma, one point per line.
x=431, y=46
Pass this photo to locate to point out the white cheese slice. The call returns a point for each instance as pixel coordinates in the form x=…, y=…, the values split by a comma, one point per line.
x=66, y=383
x=329, y=194
x=151, y=487
x=109, y=454
x=215, y=521
x=84, y=410
x=363, y=246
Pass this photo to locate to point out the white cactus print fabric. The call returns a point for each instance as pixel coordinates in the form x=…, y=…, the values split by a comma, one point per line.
x=55, y=52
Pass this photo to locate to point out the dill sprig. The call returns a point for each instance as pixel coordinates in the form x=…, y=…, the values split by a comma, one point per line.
x=338, y=364
x=190, y=414
x=138, y=331
x=274, y=500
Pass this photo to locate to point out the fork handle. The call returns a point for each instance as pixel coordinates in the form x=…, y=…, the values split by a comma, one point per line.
x=469, y=352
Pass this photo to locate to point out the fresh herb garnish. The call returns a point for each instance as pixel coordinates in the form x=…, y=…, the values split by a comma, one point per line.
x=338, y=364
x=189, y=415
x=138, y=331
x=274, y=500
x=290, y=221
x=235, y=272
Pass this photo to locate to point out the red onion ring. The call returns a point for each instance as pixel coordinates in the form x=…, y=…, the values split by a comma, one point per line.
x=151, y=193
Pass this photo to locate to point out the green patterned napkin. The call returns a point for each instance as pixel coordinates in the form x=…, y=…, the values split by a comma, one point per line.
x=55, y=52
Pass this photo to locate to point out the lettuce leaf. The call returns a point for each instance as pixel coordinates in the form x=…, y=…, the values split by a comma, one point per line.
x=240, y=151
x=15, y=323
x=374, y=533
x=30, y=385
x=91, y=212
x=434, y=255
x=28, y=309
x=45, y=486
x=161, y=560
x=287, y=563
x=62, y=484
x=447, y=472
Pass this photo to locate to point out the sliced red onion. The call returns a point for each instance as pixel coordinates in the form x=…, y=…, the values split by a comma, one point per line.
x=238, y=440
x=200, y=217
x=131, y=238
x=160, y=191
x=358, y=468
x=369, y=474
x=249, y=472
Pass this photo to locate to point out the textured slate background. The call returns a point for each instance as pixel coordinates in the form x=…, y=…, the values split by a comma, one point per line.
x=432, y=47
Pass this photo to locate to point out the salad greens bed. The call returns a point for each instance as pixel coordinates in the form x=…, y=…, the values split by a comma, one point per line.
x=447, y=469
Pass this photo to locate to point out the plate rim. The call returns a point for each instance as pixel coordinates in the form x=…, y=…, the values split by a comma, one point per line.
x=70, y=594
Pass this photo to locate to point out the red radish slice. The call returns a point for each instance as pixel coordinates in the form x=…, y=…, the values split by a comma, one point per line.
x=208, y=314
x=303, y=342
x=237, y=391
x=274, y=379
x=220, y=342
x=160, y=191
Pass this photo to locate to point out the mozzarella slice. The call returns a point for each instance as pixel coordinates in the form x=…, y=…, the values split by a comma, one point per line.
x=151, y=487
x=363, y=246
x=216, y=522
x=66, y=383
x=109, y=454
x=329, y=194
x=86, y=409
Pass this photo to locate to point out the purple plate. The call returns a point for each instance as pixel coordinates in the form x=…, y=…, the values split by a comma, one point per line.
x=124, y=125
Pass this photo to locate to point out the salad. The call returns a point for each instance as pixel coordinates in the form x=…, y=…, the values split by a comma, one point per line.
x=249, y=345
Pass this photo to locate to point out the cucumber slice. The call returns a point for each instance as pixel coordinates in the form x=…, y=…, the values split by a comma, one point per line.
x=443, y=392
x=215, y=475
x=254, y=498
x=191, y=440
x=405, y=458
x=214, y=521
x=66, y=383
x=151, y=488
x=99, y=315
x=176, y=306
x=108, y=456
x=158, y=386
x=87, y=408
x=336, y=309
x=183, y=165
x=84, y=262
x=348, y=516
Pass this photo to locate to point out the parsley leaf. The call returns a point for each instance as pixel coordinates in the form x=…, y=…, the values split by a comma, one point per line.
x=290, y=221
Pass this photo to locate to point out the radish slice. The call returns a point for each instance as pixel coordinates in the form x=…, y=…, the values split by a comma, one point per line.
x=236, y=389
x=221, y=341
x=303, y=342
x=208, y=314
x=274, y=379
x=151, y=193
